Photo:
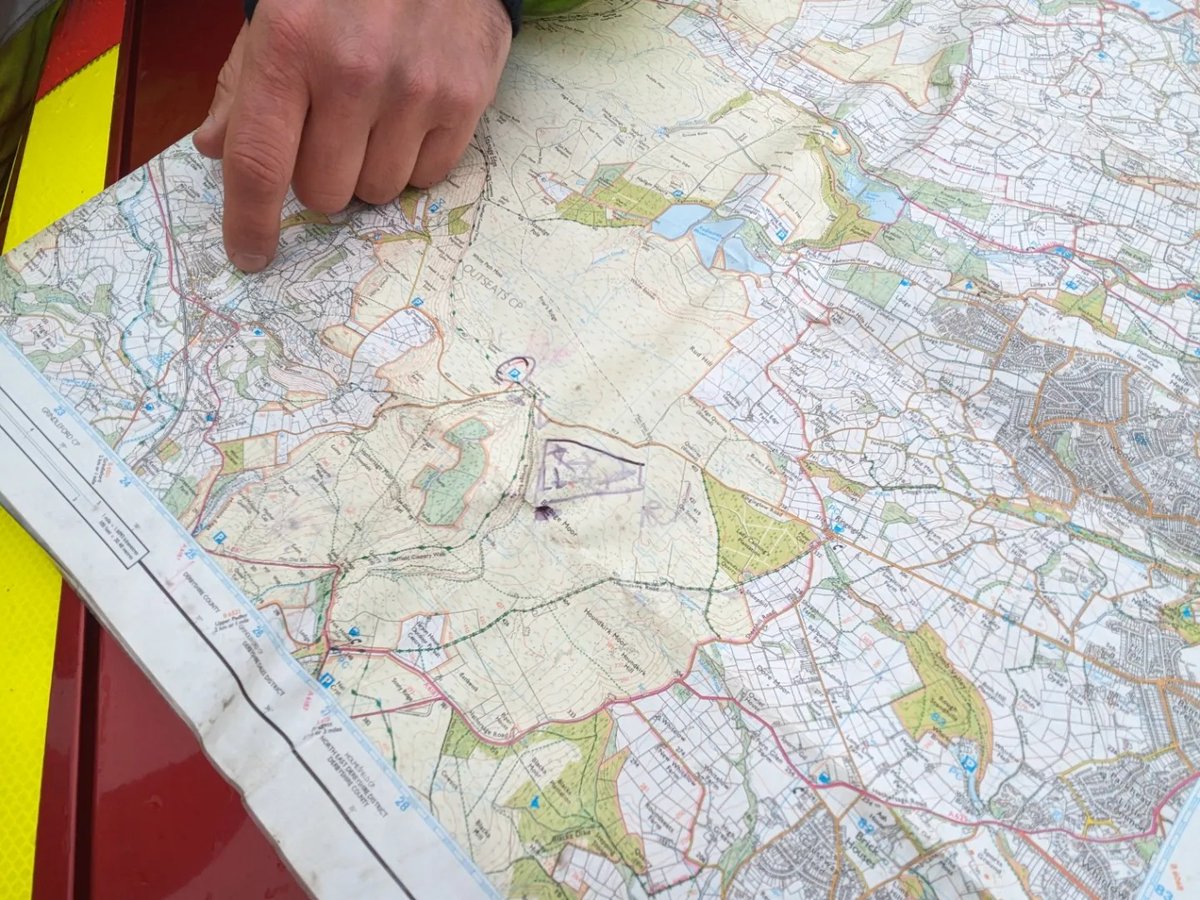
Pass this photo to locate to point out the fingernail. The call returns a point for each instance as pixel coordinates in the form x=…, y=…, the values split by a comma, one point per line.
x=249, y=262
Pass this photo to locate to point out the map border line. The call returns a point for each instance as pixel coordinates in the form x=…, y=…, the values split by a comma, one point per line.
x=9, y=349
x=275, y=727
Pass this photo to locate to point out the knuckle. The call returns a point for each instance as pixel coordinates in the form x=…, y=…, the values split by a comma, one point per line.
x=377, y=192
x=319, y=194
x=429, y=176
x=462, y=100
x=227, y=78
x=319, y=199
x=420, y=85
x=358, y=71
x=256, y=161
x=287, y=32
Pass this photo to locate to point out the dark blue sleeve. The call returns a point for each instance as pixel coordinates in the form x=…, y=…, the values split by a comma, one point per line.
x=512, y=7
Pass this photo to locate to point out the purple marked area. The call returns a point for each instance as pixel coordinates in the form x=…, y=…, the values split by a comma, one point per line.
x=572, y=470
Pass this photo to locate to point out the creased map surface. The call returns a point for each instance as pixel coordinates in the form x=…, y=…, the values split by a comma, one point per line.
x=769, y=467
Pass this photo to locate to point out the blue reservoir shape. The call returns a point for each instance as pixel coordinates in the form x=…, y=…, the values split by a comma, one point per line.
x=883, y=203
x=738, y=258
x=679, y=219
x=1154, y=10
x=1187, y=38
x=709, y=235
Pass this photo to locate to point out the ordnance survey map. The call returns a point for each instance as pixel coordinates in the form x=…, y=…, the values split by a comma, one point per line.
x=769, y=467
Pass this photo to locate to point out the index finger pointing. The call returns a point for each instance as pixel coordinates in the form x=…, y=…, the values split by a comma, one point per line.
x=265, y=124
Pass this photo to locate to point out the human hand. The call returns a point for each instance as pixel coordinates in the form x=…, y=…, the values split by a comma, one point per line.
x=344, y=98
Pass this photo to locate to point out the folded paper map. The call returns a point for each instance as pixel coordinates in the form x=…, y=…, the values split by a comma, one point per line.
x=768, y=467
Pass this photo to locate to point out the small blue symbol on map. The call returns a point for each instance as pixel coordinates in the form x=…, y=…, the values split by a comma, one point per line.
x=823, y=778
x=149, y=407
x=60, y=410
x=220, y=537
x=839, y=528
x=833, y=131
x=436, y=206
x=191, y=553
x=782, y=234
x=1187, y=613
x=516, y=368
x=1141, y=439
x=865, y=826
x=327, y=680
x=126, y=481
x=904, y=282
x=535, y=803
x=968, y=763
x=258, y=332
x=354, y=632
x=209, y=417
x=677, y=193
x=1064, y=252
x=1102, y=54
x=1194, y=294
x=1071, y=285
x=938, y=718
x=970, y=285
x=418, y=301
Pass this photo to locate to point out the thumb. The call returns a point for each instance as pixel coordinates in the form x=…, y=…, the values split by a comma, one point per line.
x=210, y=136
